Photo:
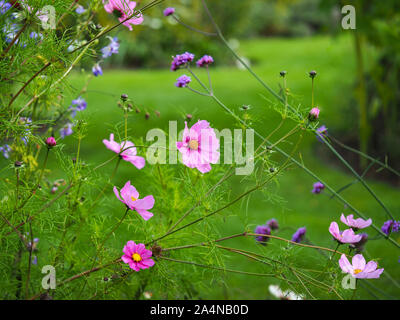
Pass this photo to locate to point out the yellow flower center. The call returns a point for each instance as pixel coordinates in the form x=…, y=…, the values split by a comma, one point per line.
x=136, y=257
x=133, y=198
x=193, y=144
x=357, y=271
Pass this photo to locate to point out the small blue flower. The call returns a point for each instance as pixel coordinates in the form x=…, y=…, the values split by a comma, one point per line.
x=34, y=35
x=80, y=9
x=111, y=49
x=66, y=130
x=97, y=71
x=4, y=7
x=5, y=150
x=322, y=132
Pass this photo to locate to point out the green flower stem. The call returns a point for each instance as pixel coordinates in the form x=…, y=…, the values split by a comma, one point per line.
x=219, y=268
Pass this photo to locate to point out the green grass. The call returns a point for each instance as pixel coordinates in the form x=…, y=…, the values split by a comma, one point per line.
x=154, y=90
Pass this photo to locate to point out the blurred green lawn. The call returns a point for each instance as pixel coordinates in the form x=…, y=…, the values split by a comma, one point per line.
x=154, y=90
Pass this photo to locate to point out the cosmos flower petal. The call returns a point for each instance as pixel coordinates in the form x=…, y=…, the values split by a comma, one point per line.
x=358, y=262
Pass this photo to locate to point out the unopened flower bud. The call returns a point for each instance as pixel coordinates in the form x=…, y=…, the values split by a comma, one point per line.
x=51, y=142
x=314, y=114
x=124, y=97
x=283, y=73
x=157, y=113
x=312, y=74
x=147, y=115
x=17, y=164
x=189, y=117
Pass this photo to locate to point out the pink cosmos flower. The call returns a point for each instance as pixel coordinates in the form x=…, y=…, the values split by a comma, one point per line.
x=347, y=236
x=355, y=223
x=358, y=268
x=137, y=256
x=130, y=197
x=128, y=153
x=199, y=146
x=123, y=9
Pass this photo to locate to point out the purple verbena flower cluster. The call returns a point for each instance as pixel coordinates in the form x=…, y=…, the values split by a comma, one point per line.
x=181, y=60
x=318, y=187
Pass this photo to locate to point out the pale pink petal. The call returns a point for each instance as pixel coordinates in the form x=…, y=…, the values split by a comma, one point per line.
x=348, y=236
x=334, y=230
x=199, y=125
x=204, y=168
x=345, y=264
x=374, y=274
x=358, y=262
x=145, y=203
x=129, y=191
x=343, y=219
x=144, y=214
x=138, y=162
x=117, y=193
x=370, y=266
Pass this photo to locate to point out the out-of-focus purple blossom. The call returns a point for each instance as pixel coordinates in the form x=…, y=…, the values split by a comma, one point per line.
x=5, y=150
x=34, y=260
x=34, y=35
x=262, y=230
x=183, y=81
x=97, y=70
x=66, y=130
x=4, y=6
x=73, y=46
x=390, y=226
x=204, y=61
x=111, y=49
x=80, y=9
x=322, y=132
x=299, y=235
x=27, y=122
x=317, y=187
x=272, y=224
x=10, y=30
x=77, y=105
x=169, y=11
x=181, y=60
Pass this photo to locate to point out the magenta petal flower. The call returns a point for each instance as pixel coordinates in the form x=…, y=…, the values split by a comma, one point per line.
x=355, y=223
x=123, y=9
x=128, y=151
x=137, y=256
x=347, y=236
x=358, y=268
x=130, y=197
x=199, y=146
